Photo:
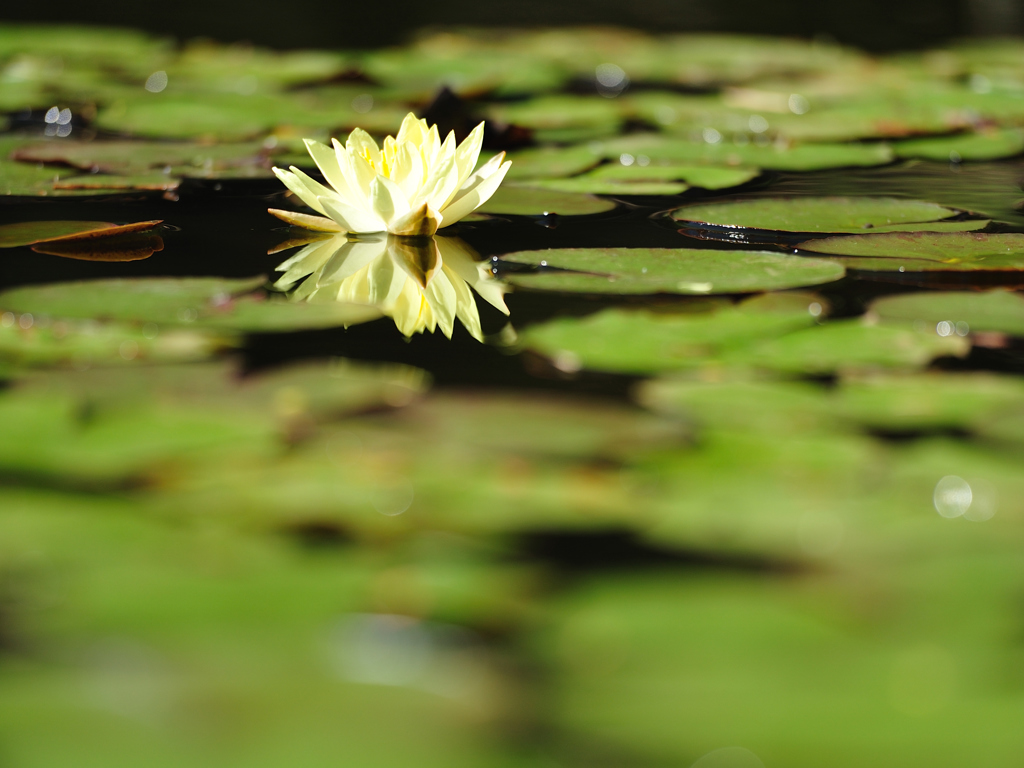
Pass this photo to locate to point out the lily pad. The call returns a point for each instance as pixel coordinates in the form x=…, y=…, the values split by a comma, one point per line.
x=276, y=314
x=558, y=111
x=850, y=345
x=924, y=251
x=140, y=157
x=589, y=184
x=550, y=162
x=29, y=232
x=929, y=400
x=668, y=270
x=636, y=341
x=816, y=214
x=531, y=201
x=780, y=157
x=704, y=176
x=987, y=145
x=174, y=301
x=28, y=342
x=106, y=184
x=963, y=311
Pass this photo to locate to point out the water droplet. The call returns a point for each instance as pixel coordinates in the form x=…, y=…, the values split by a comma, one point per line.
x=156, y=82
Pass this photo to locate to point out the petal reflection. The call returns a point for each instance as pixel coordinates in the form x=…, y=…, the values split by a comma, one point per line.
x=422, y=283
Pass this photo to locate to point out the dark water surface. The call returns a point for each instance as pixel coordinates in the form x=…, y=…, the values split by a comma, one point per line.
x=222, y=229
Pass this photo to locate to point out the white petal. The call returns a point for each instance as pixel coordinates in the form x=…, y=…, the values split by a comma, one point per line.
x=327, y=161
x=413, y=129
x=476, y=196
x=307, y=190
x=431, y=145
x=448, y=186
x=469, y=152
x=362, y=175
x=387, y=199
x=304, y=220
x=351, y=218
x=408, y=169
x=362, y=144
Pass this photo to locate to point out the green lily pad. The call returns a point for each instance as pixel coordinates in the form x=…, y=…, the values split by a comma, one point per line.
x=590, y=185
x=211, y=303
x=549, y=162
x=850, y=345
x=174, y=301
x=924, y=251
x=531, y=201
x=231, y=116
x=929, y=400
x=555, y=112
x=29, y=232
x=742, y=403
x=134, y=158
x=276, y=314
x=668, y=270
x=28, y=342
x=963, y=311
x=704, y=176
x=636, y=341
x=801, y=157
x=815, y=214
x=990, y=145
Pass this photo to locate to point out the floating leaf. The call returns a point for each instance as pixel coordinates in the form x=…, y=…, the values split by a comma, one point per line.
x=562, y=111
x=549, y=162
x=801, y=157
x=742, y=403
x=928, y=400
x=595, y=186
x=923, y=251
x=816, y=214
x=140, y=157
x=986, y=145
x=962, y=311
x=848, y=345
x=31, y=342
x=168, y=300
x=277, y=314
x=632, y=341
x=668, y=270
x=29, y=232
x=110, y=184
x=531, y=201
x=705, y=176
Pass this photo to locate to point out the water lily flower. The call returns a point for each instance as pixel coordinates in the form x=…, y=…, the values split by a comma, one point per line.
x=422, y=283
x=414, y=185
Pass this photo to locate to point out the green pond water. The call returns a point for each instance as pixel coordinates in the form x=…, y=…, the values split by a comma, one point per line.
x=699, y=444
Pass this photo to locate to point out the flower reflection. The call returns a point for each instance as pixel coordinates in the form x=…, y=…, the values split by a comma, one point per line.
x=422, y=283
